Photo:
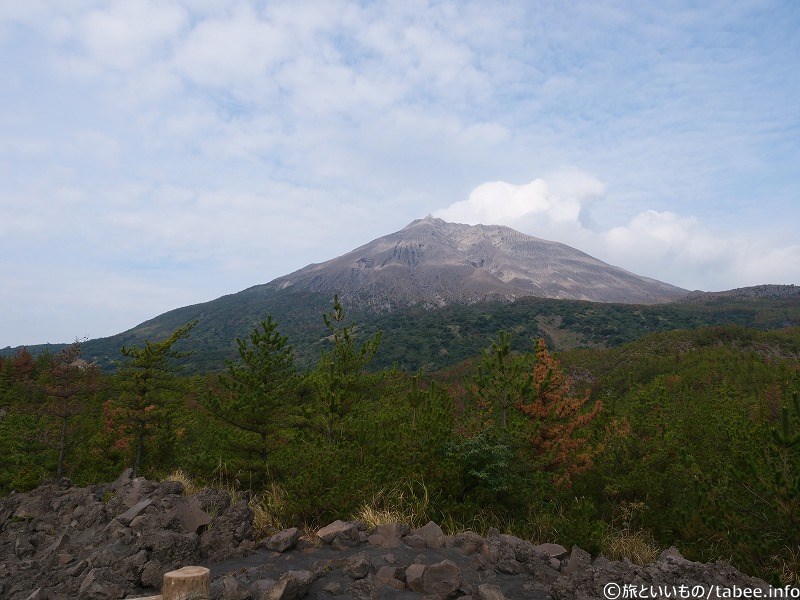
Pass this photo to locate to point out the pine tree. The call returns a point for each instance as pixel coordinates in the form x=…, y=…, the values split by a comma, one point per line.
x=257, y=393
x=23, y=365
x=559, y=417
x=785, y=458
x=340, y=373
x=145, y=378
x=66, y=385
x=503, y=380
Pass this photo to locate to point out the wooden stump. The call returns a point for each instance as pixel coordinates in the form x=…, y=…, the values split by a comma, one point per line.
x=188, y=583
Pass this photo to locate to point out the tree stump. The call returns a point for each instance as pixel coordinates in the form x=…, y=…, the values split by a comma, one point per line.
x=188, y=583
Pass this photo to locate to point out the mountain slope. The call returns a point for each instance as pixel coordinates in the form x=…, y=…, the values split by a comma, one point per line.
x=786, y=293
x=428, y=264
x=435, y=263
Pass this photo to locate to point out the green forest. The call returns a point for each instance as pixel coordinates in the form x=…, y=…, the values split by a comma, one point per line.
x=420, y=338
x=686, y=438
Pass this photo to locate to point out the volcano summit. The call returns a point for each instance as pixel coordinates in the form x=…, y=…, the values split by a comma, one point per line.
x=436, y=263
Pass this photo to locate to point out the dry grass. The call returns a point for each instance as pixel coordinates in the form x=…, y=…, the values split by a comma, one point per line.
x=787, y=566
x=225, y=480
x=264, y=521
x=481, y=522
x=637, y=546
x=624, y=541
x=266, y=508
x=189, y=485
x=408, y=504
x=374, y=516
x=542, y=526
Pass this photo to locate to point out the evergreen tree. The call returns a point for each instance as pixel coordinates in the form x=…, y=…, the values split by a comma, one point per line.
x=66, y=385
x=340, y=377
x=25, y=455
x=784, y=455
x=560, y=418
x=491, y=430
x=503, y=379
x=145, y=378
x=550, y=436
x=258, y=393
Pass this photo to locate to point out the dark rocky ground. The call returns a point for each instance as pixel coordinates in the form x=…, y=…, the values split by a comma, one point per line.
x=117, y=540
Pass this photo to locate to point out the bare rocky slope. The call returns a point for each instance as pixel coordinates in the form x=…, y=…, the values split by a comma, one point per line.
x=433, y=262
x=116, y=540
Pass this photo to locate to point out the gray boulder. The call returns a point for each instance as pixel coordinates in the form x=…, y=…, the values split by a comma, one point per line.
x=192, y=517
x=341, y=534
x=489, y=591
x=291, y=586
x=442, y=579
x=578, y=561
x=668, y=573
x=283, y=540
x=358, y=566
x=432, y=534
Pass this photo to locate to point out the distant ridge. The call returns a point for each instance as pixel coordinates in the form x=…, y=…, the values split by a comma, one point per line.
x=756, y=292
x=435, y=263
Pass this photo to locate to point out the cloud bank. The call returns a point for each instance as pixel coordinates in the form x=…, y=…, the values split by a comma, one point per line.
x=678, y=249
x=156, y=153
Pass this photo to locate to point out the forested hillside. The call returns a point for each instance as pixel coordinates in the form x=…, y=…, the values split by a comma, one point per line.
x=688, y=438
x=419, y=338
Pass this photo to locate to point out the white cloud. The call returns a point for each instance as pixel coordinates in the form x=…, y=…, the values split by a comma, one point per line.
x=90, y=37
x=499, y=202
x=678, y=249
x=560, y=199
x=232, y=49
x=126, y=34
x=660, y=230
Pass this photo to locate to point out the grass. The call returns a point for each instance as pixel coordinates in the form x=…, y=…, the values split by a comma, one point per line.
x=787, y=566
x=190, y=487
x=480, y=521
x=637, y=546
x=623, y=541
x=408, y=504
x=265, y=505
x=373, y=515
x=266, y=508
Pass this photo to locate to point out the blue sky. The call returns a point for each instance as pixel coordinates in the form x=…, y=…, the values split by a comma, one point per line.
x=158, y=153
